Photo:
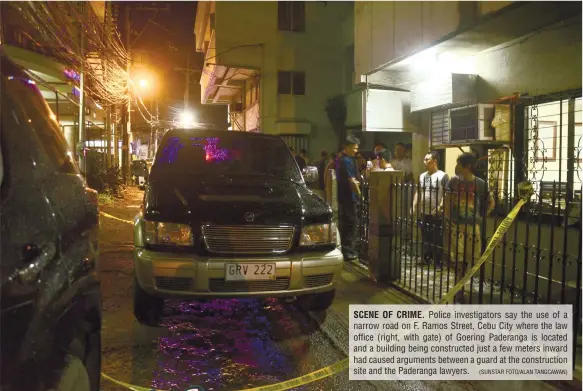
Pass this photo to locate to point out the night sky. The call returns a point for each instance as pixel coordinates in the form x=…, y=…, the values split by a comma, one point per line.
x=168, y=36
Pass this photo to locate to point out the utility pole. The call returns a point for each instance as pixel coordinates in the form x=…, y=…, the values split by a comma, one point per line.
x=125, y=160
x=187, y=86
x=108, y=18
x=187, y=72
x=81, y=145
x=116, y=138
x=157, y=127
x=152, y=132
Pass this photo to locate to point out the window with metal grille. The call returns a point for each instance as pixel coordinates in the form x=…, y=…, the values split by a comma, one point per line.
x=440, y=127
x=291, y=83
x=554, y=144
x=291, y=16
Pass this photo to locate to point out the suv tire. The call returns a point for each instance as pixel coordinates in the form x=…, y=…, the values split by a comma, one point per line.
x=147, y=309
x=317, y=301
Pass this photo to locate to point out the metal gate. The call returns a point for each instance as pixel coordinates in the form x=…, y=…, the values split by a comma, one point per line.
x=539, y=258
x=363, y=223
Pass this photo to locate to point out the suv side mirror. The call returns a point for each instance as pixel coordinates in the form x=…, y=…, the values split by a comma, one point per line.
x=310, y=174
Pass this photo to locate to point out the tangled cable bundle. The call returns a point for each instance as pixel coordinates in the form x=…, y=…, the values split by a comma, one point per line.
x=103, y=55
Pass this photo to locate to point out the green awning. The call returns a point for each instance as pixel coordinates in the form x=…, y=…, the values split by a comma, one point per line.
x=47, y=68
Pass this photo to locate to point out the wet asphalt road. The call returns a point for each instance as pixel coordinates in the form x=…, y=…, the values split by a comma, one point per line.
x=234, y=344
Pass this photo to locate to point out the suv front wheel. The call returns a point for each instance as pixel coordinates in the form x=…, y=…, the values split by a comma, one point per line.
x=317, y=301
x=147, y=309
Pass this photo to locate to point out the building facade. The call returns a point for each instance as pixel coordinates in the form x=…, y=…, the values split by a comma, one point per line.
x=275, y=64
x=501, y=80
x=35, y=42
x=432, y=57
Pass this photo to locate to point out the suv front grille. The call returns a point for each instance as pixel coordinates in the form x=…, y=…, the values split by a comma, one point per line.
x=220, y=285
x=174, y=283
x=317, y=280
x=222, y=239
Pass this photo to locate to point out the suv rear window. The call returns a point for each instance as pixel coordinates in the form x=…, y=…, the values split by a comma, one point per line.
x=224, y=153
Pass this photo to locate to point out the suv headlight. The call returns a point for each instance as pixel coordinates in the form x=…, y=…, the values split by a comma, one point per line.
x=318, y=234
x=170, y=234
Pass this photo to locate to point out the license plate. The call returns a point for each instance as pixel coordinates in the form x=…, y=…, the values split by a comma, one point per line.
x=249, y=271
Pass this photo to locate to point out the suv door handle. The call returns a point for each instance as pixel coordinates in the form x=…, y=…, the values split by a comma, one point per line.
x=35, y=259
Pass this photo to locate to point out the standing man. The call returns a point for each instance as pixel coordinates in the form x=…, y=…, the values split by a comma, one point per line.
x=328, y=176
x=467, y=202
x=348, y=197
x=401, y=163
x=304, y=155
x=383, y=161
x=428, y=203
x=378, y=148
x=301, y=161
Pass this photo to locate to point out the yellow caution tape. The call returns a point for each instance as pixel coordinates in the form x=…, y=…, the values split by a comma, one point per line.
x=117, y=218
x=309, y=378
x=286, y=385
x=127, y=385
x=525, y=190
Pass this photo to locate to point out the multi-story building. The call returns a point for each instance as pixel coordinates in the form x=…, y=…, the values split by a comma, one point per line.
x=275, y=64
x=55, y=70
x=501, y=80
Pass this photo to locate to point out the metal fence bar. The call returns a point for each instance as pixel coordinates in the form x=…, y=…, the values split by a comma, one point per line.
x=577, y=314
x=538, y=251
x=394, y=229
x=363, y=223
x=551, y=250
x=417, y=277
x=505, y=250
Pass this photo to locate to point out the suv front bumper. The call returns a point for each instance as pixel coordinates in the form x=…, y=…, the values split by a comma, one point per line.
x=169, y=275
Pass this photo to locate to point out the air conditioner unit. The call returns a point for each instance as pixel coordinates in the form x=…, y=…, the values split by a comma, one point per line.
x=471, y=123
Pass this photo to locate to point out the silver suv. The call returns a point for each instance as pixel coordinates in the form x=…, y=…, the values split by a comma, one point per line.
x=228, y=214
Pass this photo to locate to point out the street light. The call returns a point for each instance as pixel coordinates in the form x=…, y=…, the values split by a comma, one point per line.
x=186, y=119
x=144, y=84
x=145, y=88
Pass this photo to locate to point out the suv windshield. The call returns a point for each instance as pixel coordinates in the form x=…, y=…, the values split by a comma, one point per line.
x=223, y=153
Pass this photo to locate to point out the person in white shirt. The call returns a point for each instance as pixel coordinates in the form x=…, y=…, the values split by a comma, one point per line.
x=401, y=163
x=428, y=207
x=383, y=161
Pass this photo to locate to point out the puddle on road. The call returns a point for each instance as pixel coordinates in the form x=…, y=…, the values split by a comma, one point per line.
x=230, y=344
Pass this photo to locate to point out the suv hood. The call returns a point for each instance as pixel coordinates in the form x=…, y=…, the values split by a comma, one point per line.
x=228, y=200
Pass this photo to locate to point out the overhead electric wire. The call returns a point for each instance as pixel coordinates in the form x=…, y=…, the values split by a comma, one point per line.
x=56, y=22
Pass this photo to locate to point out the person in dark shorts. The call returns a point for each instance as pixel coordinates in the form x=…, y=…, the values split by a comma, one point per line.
x=467, y=202
x=348, y=196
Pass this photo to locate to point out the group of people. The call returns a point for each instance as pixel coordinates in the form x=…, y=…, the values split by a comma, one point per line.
x=450, y=211
x=352, y=169
x=301, y=159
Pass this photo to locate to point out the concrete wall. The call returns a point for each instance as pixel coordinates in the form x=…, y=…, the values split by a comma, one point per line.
x=318, y=52
x=544, y=62
x=348, y=47
x=387, y=30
